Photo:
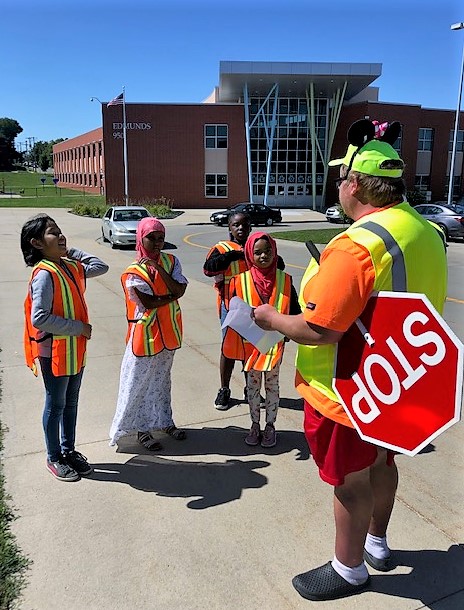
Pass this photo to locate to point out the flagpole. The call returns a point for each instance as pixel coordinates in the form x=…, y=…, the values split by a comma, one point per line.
x=126, y=189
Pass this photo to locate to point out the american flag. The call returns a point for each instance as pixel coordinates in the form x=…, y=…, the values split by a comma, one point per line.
x=117, y=100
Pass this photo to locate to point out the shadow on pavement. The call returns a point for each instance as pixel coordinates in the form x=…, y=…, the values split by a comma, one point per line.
x=210, y=483
x=228, y=441
x=435, y=575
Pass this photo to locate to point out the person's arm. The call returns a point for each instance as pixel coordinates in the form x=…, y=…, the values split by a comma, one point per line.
x=338, y=292
x=175, y=282
x=93, y=266
x=294, y=327
x=218, y=263
x=42, y=317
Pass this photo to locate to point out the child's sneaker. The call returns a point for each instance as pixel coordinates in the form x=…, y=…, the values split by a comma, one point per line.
x=77, y=462
x=269, y=437
x=62, y=471
x=253, y=436
x=222, y=399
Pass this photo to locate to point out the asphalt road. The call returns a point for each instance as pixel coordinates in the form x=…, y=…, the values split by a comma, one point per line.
x=190, y=241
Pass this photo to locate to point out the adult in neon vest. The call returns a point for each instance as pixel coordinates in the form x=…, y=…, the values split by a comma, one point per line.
x=152, y=286
x=388, y=247
x=56, y=333
x=262, y=283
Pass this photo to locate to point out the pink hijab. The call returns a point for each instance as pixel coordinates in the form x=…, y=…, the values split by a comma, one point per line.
x=264, y=279
x=147, y=225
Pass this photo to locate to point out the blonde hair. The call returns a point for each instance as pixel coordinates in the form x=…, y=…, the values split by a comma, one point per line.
x=379, y=191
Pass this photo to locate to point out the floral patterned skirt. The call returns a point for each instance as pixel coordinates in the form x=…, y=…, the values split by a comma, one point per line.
x=144, y=399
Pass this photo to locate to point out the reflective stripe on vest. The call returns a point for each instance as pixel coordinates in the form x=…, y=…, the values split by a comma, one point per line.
x=235, y=267
x=401, y=243
x=68, y=353
x=236, y=347
x=159, y=328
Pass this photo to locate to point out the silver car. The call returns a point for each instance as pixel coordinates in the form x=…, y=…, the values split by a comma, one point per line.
x=119, y=224
x=449, y=219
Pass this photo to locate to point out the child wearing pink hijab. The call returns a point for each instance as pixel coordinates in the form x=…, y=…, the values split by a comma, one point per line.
x=262, y=283
x=152, y=286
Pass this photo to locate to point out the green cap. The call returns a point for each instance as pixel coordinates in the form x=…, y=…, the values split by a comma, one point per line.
x=369, y=159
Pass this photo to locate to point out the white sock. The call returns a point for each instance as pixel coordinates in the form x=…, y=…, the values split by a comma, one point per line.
x=355, y=576
x=377, y=547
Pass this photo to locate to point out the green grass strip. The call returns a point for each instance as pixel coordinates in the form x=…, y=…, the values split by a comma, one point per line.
x=318, y=236
x=13, y=564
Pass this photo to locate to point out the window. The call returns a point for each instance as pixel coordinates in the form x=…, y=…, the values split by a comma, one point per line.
x=397, y=144
x=422, y=182
x=216, y=136
x=216, y=185
x=459, y=141
x=425, y=139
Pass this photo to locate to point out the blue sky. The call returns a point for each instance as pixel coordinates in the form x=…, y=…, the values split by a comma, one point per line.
x=56, y=54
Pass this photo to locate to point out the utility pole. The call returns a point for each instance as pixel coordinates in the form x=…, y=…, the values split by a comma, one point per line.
x=31, y=146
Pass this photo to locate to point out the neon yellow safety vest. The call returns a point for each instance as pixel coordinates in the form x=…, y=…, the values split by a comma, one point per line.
x=408, y=256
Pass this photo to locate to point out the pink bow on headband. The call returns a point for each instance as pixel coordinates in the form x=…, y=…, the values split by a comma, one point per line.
x=380, y=129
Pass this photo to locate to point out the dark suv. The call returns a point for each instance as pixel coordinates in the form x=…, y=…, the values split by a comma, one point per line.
x=260, y=214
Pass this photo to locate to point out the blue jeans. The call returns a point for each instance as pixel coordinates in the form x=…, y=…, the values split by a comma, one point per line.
x=60, y=410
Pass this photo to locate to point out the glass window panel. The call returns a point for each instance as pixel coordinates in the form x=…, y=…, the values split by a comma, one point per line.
x=210, y=130
x=222, y=143
x=210, y=142
x=222, y=130
x=210, y=191
x=222, y=191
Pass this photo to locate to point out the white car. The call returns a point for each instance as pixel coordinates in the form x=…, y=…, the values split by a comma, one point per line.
x=332, y=214
x=119, y=224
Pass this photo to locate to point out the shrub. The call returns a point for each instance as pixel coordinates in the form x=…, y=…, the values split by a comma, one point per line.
x=415, y=197
x=87, y=207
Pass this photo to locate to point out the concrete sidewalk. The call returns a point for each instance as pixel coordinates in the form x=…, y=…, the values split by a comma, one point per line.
x=207, y=522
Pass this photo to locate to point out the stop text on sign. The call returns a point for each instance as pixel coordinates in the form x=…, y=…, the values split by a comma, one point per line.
x=368, y=392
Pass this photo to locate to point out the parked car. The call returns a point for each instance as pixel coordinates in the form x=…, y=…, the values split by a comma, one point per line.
x=119, y=224
x=259, y=214
x=449, y=219
x=334, y=214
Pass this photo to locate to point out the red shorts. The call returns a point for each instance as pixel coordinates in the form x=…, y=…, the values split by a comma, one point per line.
x=337, y=449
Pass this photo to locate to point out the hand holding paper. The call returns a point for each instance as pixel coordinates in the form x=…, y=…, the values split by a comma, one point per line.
x=240, y=319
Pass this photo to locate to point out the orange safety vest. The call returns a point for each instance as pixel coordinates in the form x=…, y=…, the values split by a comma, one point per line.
x=68, y=352
x=222, y=280
x=237, y=348
x=159, y=328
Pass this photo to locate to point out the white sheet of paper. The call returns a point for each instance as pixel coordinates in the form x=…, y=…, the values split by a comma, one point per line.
x=239, y=318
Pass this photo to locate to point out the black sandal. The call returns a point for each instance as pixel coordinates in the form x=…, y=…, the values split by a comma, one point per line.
x=147, y=441
x=176, y=433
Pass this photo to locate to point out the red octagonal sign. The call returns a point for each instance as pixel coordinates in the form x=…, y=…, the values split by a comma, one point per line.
x=399, y=372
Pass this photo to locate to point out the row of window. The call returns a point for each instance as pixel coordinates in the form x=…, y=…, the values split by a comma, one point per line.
x=292, y=138
x=81, y=152
x=82, y=179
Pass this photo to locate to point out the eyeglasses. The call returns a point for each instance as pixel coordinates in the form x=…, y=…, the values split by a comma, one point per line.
x=338, y=181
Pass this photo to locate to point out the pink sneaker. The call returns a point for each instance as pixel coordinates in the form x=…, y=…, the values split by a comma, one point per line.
x=254, y=435
x=269, y=437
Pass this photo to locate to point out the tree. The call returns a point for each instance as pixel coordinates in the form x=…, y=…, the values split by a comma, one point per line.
x=9, y=129
x=42, y=153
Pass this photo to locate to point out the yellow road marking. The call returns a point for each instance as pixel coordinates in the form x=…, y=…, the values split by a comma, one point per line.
x=186, y=239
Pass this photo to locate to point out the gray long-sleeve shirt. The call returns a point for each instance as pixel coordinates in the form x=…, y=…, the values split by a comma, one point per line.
x=42, y=301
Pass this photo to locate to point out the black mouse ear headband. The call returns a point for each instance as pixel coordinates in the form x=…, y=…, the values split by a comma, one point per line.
x=363, y=131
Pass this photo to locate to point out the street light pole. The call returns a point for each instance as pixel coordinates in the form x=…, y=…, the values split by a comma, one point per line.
x=456, y=26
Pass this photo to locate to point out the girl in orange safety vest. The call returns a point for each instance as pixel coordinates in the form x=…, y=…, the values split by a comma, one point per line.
x=262, y=283
x=56, y=332
x=152, y=286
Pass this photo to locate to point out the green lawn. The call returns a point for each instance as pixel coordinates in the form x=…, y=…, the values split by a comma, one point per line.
x=29, y=184
x=318, y=236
